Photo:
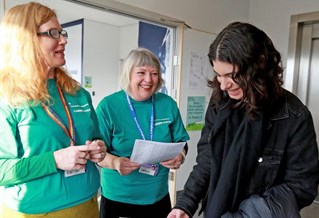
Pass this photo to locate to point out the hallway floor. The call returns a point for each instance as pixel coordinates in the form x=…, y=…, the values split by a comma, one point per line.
x=312, y=211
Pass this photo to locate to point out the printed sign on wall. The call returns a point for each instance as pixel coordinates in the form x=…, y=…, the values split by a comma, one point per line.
x=195, y=113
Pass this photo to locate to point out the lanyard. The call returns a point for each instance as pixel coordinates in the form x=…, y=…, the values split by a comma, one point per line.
x=136, y=121
x=55, y=117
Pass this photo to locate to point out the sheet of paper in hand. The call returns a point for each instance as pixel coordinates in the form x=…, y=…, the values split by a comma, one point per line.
x=150, y=152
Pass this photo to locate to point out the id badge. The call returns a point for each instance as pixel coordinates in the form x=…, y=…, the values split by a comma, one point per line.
x=68, y=173
x=150, y=169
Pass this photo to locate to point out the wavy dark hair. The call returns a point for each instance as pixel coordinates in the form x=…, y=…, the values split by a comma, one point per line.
x=260, y=71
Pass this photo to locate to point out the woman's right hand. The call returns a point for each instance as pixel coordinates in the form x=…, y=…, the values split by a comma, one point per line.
x=177, y=213
x=124, y=166
x=73, y=157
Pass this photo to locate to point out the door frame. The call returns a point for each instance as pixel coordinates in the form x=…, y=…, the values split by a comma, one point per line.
x=294, y=47
x=299, y=27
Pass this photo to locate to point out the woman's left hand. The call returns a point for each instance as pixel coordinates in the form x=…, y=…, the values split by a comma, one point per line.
x=174, y=163
x=97, y=156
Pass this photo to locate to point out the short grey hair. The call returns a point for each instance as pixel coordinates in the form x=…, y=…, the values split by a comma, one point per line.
x=136, y=58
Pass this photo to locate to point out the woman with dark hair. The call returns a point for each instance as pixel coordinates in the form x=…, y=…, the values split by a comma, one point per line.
x=257, y=155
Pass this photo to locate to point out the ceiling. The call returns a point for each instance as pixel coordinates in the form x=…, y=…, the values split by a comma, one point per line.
x=68, y=11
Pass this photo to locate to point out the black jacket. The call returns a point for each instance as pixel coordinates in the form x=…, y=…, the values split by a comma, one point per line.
x=287, y=174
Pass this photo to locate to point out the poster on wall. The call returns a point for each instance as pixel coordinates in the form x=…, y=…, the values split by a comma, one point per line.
x=198, y=70
x=73, y=50
x=158, y=39
x=88, y=81
x=195, y=113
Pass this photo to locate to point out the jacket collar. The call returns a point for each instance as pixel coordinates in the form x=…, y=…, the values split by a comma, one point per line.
x=281, y=109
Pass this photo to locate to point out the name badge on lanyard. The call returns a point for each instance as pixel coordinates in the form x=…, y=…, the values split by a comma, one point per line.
x=68, y=173
x=150, y=169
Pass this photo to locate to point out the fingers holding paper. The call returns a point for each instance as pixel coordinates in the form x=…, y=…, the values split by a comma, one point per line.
x=124, y=166
x=174, y=163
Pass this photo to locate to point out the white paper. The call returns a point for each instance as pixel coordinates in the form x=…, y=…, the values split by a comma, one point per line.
x=150, y=152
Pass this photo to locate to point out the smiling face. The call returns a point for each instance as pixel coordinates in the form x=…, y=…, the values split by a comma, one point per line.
x=143, y=83
x=53, y=49
x=224, y=72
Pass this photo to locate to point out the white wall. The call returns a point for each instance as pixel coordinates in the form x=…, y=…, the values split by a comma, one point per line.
x=101, y=66
x=209, y=15
x=104, y=48
x=198, y=43
x=273, y=16
x=1, y=8
x=128, y=39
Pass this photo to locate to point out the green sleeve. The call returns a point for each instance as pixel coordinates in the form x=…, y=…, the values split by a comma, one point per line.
x=16, y=171
x=103, y=117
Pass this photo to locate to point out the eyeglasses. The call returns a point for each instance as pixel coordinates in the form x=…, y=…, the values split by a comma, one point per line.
x=54, y=33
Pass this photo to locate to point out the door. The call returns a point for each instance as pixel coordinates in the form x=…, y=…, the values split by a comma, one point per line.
x=307, y=89
x=303, y=62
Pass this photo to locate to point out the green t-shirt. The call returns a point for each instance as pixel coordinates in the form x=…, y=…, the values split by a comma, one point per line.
x=119, y=132
x=28, y=138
